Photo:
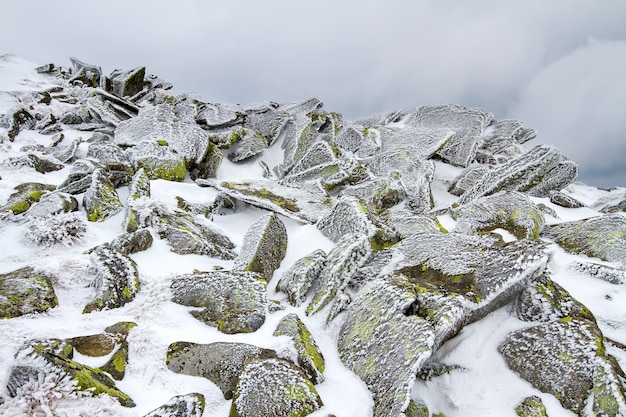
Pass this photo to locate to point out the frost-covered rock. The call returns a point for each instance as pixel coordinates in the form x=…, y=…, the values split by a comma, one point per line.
x=357, y=140
x=20, y=120
x=567, y=358
x=133, y=242
x=594, y=270
x=511, y=211
x=116, y=281
x=561, y=199
x=531, y=407
x=216, y=115
x=502, y=141
x=106, y=151
x=219, y=362
x=537, y=172
x=264, y=246
x=545, y=300
x=407, y=224
x=39, y=364
x=301, y=276
x=383, y=346
x=274, y=388
x=158, y=160
x=126, y=83
x=53, y=203
x=467, y=123
x=467, y=179
x=233, y=301
x=25, y=291
x=296, y=203
x=310, y=358
x=350, y=216
x=601, y=237
x=88, y=74
x=101, y=200
x=301, y=147
x=247, y=145
x=424, y=141
x=378, y=194
x=40, y=163
x=139, y=188
x=59, y=229
x=25, y=196
x=269, y=122
x=188, y=405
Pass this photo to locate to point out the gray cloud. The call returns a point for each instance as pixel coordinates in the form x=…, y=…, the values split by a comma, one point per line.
x=510, y=58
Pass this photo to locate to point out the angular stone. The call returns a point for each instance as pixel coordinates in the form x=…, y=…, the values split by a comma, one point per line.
x=301, y=276
x=407, y=224
x=188, y=405
x=25, y=196
x=248, y=145
x=467, y=179
x=101, y=200
x=423, y=141
x=378, y=194
x=53, y=203
x=296, y=203
x=158, y=161
x=219, y=362
x=94, y=345
x=357, y=140
x=18, y=121
x=40, y=163
x=511, y=211
x=536, y=173
x=274, y=388
x=594, y=270
x=106, y=152
x=139, y=189
x=126, y=83
x=25, y=291
x=116, y=281
x=89, y=74
x=233, y=301
x=264, y=246
x=310, y=359
x=215, y=115
x=531, y=407
x=133, y=242
x=561, y=199
x=601, y=237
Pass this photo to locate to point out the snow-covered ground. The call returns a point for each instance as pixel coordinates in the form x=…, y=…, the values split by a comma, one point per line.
x=486, y=387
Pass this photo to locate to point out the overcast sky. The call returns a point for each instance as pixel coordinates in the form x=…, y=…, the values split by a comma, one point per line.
x=558, y=66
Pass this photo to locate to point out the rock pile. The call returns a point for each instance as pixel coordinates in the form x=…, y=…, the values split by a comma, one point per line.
x=397, y=283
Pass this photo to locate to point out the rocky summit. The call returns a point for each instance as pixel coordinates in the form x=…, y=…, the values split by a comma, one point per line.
x=166, y=256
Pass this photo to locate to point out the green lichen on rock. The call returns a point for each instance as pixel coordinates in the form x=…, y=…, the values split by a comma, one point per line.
x=301, y=276
x=101, y=200
x=219, y=362
x=310, y=358
x=100, y=344
x=233, y=301
x=25, y=195
x=116, y=280
x=25, y=291
x=264, y=246
x=531, y=407
x=274, y=388
x=158, y=162
x=609, y=390
x=188, y=405
x=116, y=365
x=601, y=237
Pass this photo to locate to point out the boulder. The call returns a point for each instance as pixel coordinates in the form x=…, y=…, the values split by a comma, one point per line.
x=158, y=160
x=139, y=189
x=595, y=270
x=101, y=200
x=216, y=115
x=248, y=144
x=407, y=224
x=233, y=301
x=188, y=405
x=357, y=140
x=25, y=291
x=25, y=195
x=40, y=163
x=301, y=276
x=274, y=388
x=601, y=237
x=467, y=179
x=53, y=203
x=106, y=152
x=18, y=121
x=531, y=407
x=561, y=199
x=219, y=362
x=64, y=229
x=378, y=194
x=423, y=141
x=88, y=74
x=264, y=246
x=310, y=358
x=116, y=281
x=126, y=83
x=511, y=211
x=133, y=242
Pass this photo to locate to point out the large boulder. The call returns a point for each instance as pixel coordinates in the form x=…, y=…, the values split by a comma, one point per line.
x=158, y=160
x=264, y=246
x=274, y=388
x=233, y=301
x=25, y=291
x=301, y=276
x=25, y=196
x=601, y=237
x=219, y=362
x=116, y=281
x=101, y=200
x=126, y=83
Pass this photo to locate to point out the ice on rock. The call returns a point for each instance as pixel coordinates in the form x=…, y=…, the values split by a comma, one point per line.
x=301, y=276
x=215, y=115
x=407, y=224
x=105, y=151
x=188, y=405
x=424, y=141
x=595, y=270
x=248, y=144
x=378, y=194
x=467, y=179
x=101, y=200
x=126, y=83
x=25, y=291
x=357, y=140
x=561, y=199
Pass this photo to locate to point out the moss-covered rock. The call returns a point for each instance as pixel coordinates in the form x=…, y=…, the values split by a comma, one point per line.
x=188, y=405
x=274, y=388
x=25, y=291
x=531, y=407
x=233, y=301
x=134, y=242
x=158, y=161
x=301, y=276
x=116, y=280
x=117, y=363
x=25, y=195
x=601, y=237
x=264, y=246
x=249, y=144
x=101, y=200
x=310, y=359
x=407, y=224
x=219, y=362
x=100, y=344
x=511, y=211
x=53, y=203
x=126, y=83
x=139, y=189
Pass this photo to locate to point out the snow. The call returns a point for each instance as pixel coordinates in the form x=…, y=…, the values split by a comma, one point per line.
x=485, y=387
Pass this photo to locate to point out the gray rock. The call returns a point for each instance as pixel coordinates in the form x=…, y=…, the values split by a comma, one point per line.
x=423, y=141
x=468, y=125
x=65, y=153
x=317, y=154
x=25, y=291
x=215, y=115
x=296, y=203
x=88, y=74
x=378, y=194
x=531, y=407
x=264, y=247
x=248, y=144
x=158, y=160
x=188, y=405
x=101, y=200
x=301, y=276
x=53, y=203
x=219, y=362
x=274, y=388
x=561, y=199
x=567, y=359
x=139, y=189
x=268, y=122
x=536, y=173
x=40, y=163
x=594, y=270
x=310, y=358
x=357, y=140
x=233, y=301
x=106, y=151
x=301, y=134
x=18, y=121
x=467, y=179
x=126, y=83
x=407, y=224
x=511, y=211
x=383, y=346
x=601, y=237
x=133, y=242
x=25, y=196
x=116, y=281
